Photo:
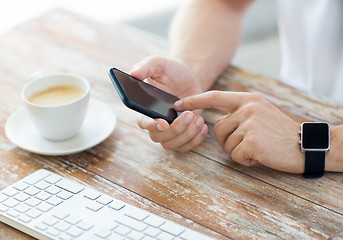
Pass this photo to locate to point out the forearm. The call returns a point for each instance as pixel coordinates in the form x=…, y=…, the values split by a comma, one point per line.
x=205, y=34
x=334, y=158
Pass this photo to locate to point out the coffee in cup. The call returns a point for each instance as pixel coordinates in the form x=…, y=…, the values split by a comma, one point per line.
x=56, y=95
x=57, y=104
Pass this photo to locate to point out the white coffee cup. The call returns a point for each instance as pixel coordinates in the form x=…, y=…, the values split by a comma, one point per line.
x=57, y=119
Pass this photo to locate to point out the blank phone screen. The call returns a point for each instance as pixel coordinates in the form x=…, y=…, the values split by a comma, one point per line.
x=147, y=96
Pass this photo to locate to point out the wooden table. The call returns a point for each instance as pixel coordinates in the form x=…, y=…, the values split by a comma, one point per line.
x=202, y=189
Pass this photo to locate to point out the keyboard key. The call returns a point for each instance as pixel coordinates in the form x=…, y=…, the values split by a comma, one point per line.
x=44, y=207
x=150, y=238
x=115, y=224
x=116, y=205
x=104, y=200
x=52, y=179
x=69, y=186
x=43, y=196
x=65, y=236
x=172, y=228
x=10, y=192
x=64, y=195
x=91, y=194
x=22, y=208
x=36, y=177
x=42, y=185
x=53, y=190
x=165, y=236
x=3, y=198
x=94, y=206
x=34, y=213
x=130, y=222
x=191, y=234
x=13, y=213
x=21, y=186
x=54, y=201
x=74, y=232
x=32, y=191
x=115, y=236
x=11, y=203
x=134, y=235
x=154, y=221
x=33, y=202
x=3, y=208
x=24, y=218
x=61, y=215
x=136, y=213
x=21, y=197
x=102, y=232
x=50, y=221
x=72, y=220
x=84, y=226
x=152, y=232
x=62, y=226
x=53, y=232
x=122, y=230
x=41, y=226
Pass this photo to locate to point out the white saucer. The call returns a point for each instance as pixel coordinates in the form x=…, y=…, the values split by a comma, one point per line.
x=99, y=124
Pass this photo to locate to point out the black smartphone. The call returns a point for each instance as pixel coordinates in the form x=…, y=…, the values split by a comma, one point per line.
x=142, y=97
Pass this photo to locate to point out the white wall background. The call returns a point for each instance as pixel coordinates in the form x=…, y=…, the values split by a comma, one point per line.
x=13, y=12
x=259, y=51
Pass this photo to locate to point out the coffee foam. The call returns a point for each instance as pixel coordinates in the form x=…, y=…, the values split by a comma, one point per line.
x=56, y=95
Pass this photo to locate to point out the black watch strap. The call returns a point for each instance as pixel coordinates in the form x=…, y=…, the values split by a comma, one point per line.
x=314, y=164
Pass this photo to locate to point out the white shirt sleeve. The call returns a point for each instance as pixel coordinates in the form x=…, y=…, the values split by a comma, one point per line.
x=311, y=38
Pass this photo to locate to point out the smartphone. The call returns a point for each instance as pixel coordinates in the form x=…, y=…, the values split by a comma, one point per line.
x=142, y=97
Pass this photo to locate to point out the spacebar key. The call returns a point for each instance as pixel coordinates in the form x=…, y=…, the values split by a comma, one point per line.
x=69, y=186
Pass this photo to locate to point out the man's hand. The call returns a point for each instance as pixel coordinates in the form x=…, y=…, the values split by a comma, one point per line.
x=184, y=134
x=189, y=129
x=253, y=131
x=169, y=75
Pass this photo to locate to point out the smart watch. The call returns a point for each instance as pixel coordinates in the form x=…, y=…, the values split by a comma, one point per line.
x=315, y=143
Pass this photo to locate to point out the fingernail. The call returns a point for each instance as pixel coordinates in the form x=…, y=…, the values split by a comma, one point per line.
x=178, y=103
x=203, y=129
x=159, y=127
x=188, y=118
x=222, y=118
x=219, y=120
x=199, y=122
x=136, y=66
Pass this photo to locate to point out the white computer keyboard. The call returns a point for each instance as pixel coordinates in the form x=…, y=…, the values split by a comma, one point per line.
x=48, y=206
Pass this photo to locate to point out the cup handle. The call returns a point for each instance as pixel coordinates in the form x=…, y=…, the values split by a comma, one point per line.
x=35, y=75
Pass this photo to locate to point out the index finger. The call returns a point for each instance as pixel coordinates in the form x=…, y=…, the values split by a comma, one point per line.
x=223, y=100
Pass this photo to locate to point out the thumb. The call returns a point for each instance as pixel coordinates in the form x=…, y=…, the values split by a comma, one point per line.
x=150, y=67
x=139, y=71
x=154, y=83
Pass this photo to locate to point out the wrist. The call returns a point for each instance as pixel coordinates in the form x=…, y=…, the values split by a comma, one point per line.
x=192, y=76
x=203, y=77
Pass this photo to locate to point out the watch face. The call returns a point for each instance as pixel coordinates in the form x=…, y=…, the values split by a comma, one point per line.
x=315, y=136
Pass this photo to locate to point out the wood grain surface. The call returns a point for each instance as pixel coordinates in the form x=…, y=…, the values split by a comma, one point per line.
x=202, y=189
